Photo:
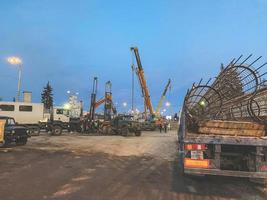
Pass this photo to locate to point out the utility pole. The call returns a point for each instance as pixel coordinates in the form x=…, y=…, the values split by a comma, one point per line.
x=19, y=82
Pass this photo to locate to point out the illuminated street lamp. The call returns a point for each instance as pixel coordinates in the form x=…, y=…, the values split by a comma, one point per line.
x=167, y=104
x=72, y=93
x=18, y=62
x=67, y=106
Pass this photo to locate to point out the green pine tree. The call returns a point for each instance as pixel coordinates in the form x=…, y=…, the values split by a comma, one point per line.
x=47, y=96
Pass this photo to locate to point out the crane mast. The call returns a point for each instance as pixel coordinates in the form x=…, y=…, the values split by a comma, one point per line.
x=93, y=100
x=141, y=76
x=162, y=98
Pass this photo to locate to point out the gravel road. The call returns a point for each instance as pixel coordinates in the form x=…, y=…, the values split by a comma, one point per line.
x=75, y=167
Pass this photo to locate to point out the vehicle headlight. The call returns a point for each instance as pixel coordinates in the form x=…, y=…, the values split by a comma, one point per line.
x=28, y=131
x=13, y=131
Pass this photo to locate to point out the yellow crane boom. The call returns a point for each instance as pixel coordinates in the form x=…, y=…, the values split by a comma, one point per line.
x=157, y=113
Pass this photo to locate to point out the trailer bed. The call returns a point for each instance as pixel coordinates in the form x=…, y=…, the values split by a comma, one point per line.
x=224, y=139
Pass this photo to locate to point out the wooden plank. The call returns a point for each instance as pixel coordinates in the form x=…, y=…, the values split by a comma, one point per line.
x=233, y=132
x=196, y=138
x=232, y=125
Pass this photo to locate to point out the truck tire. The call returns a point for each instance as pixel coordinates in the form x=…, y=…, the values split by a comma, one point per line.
x=138, y=133
x=109, y=130
x=56, y=130
x=104, y=130
x=22, y=141
x=125, y=131
x=5, y=143
x=36, y=131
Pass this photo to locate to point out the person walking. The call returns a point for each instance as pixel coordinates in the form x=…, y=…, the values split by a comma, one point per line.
x=160, y=127
x=169, y=126
x=165, y=127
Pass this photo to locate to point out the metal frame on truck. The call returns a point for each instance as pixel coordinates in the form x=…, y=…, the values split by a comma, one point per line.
x=238, y=156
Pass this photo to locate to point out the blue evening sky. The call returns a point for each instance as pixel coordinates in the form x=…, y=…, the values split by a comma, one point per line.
x=68, y=42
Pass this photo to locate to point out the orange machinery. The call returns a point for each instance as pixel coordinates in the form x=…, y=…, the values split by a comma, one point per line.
x=107, y=99
x=141, y=76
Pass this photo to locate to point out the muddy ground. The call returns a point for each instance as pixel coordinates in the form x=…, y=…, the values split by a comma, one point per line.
x=75, y=167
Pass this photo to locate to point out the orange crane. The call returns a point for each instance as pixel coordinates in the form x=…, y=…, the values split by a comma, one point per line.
x=141, y=76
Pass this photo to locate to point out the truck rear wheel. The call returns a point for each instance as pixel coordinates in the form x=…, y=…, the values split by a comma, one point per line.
x=138, y=133
x=56, y=130
x=124, y=131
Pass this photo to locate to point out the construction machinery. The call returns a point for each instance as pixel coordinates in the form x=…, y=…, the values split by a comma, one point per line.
x=11, y=132
x=91, y=116
x=123, y=125
x=91, y=124
x=157, y=112
x=152, y=119
x=141, y=77
x=149, y=121
x=111, y=124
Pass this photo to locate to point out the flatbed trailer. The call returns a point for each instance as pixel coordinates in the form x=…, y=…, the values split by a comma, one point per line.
x=237, y=156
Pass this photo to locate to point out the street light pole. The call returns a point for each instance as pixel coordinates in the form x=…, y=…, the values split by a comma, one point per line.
x=19, y=83
x=17, y=61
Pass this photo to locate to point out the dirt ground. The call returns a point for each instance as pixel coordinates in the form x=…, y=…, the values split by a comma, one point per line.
x=75, y=167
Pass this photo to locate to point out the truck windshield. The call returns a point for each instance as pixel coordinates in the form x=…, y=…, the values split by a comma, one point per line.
x=10, y=121
x=62, y=112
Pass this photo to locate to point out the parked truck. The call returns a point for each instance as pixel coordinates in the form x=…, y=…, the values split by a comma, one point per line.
x=222, y=128
x=11, y=132
x=34, y=117
x=123, y=125
x=226, y=155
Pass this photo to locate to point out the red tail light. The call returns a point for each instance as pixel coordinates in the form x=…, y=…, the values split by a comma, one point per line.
x=263, y=168
x=195, y=147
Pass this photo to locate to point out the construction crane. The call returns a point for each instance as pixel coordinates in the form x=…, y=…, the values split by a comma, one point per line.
x=141, y=77
x=109, y=108
x=107, y=99
x=157, y=113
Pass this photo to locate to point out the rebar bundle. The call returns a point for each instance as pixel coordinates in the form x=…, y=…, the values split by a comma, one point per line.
x=238, y=92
